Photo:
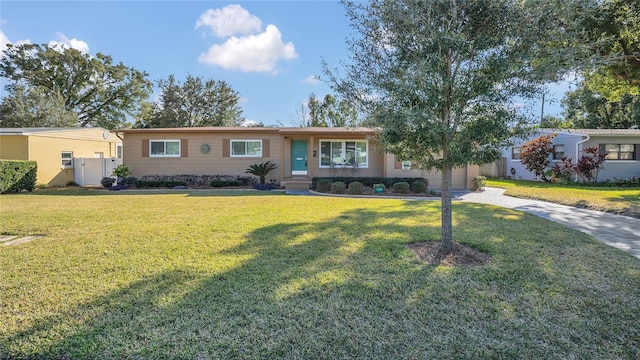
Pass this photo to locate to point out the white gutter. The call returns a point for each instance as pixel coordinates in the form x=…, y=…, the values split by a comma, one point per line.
x=578, y=146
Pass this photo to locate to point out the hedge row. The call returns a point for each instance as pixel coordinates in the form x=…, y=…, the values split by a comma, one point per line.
x=17, y=175
x=369, y=181
x=225, y=183
x=159, y=183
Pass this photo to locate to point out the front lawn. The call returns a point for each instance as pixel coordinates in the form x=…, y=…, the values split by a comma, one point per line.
x=624, y=201
x=202, y=274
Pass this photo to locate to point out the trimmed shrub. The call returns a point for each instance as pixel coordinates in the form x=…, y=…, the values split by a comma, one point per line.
x=17, y=175
x=338, y=187
x=225, y=183
x=479, y=182
x=366, y=181
x=107, y=182
x=356, y=188
x=159, y=183
x=129, y=181
x=266, y=187
x=619, y=182
x=323, y=185
x=401, y=187
x=199, y=180
x=419, y=187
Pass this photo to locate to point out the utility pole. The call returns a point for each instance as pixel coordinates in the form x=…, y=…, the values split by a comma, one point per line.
x=542, y=107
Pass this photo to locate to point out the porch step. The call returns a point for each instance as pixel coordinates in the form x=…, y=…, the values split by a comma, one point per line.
x=297, y=185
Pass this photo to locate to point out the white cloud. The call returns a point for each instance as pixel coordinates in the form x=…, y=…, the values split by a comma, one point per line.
x=4, y=41
x=230, y=20
x=253, y=53
x=311, y=79
x=65, y=42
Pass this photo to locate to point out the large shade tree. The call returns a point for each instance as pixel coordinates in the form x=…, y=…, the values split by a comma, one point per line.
x=437, y=77
x=195, y=103
x=64, y=81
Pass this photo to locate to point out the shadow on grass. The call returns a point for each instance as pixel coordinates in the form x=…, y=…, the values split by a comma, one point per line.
x=349, y=288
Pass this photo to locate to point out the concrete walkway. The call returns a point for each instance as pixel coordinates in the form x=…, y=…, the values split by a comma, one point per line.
x=621, y=232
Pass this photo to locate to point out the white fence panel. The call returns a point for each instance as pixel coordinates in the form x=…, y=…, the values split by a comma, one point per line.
x=89, y=171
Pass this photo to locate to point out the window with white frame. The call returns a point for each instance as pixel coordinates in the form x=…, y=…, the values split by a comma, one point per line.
x=246, y=148
x=164, y=148
x=620, y=151
x=344, y=153
x=515, y=153
x=558, y=152
x=119, y=151
x=67, y=159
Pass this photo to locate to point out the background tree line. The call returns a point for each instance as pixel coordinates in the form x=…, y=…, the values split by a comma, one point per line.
x=61, y=87
x=53, y=86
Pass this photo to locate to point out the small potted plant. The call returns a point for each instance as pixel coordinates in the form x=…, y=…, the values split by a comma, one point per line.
x=378, y=188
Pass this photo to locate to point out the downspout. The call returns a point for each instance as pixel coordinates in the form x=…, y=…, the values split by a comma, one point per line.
x=577, y=151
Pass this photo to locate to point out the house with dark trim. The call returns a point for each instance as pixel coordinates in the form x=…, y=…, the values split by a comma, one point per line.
x=299, y=153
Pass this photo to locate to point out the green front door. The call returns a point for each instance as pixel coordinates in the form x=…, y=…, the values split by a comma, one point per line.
x=299, y=157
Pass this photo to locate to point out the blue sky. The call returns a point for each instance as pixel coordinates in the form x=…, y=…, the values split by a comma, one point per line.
x=268, y=51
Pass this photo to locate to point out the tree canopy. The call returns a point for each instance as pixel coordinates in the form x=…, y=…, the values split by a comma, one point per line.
x=586, y=108
x=327, y=112
x=612, y=31
x=195, y=103
x=59, y=82
x=438, y=77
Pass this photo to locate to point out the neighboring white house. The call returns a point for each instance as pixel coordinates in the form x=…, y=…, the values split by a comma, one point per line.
x=622, y=147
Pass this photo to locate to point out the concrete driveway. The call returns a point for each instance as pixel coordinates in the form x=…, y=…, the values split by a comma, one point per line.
x=621, y=232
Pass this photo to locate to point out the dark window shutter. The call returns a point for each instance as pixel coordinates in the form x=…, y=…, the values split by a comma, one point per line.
x=226, y=143
x=265, y=148
x=601, y=149
x=184, y=147
x=637, y=152
x=145, y=147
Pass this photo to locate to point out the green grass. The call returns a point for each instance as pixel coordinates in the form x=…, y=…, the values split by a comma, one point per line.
x=624, y=201
x=204, y=274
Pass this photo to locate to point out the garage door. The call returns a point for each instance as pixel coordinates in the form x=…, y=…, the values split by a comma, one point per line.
x=458, y=179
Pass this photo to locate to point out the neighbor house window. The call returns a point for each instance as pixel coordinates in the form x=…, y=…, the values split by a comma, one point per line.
x=119, y=151
x=67, y=159
x=515, y=153
x=246, y=148
x=558, y=152
x=164, y=148
x=406, y=165
x=343, y=153
x=620, y=151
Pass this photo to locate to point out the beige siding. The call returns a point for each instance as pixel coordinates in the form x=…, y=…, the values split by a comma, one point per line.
x=14, y=147
x=461, y=178
x=219, y=162
x=46, y=150
x=216, y=162
x=84, y=134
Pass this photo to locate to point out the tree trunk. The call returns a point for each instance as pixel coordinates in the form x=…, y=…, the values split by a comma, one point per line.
x=447, y=226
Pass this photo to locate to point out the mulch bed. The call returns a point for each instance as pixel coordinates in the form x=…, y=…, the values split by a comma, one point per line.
x=461, y=255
